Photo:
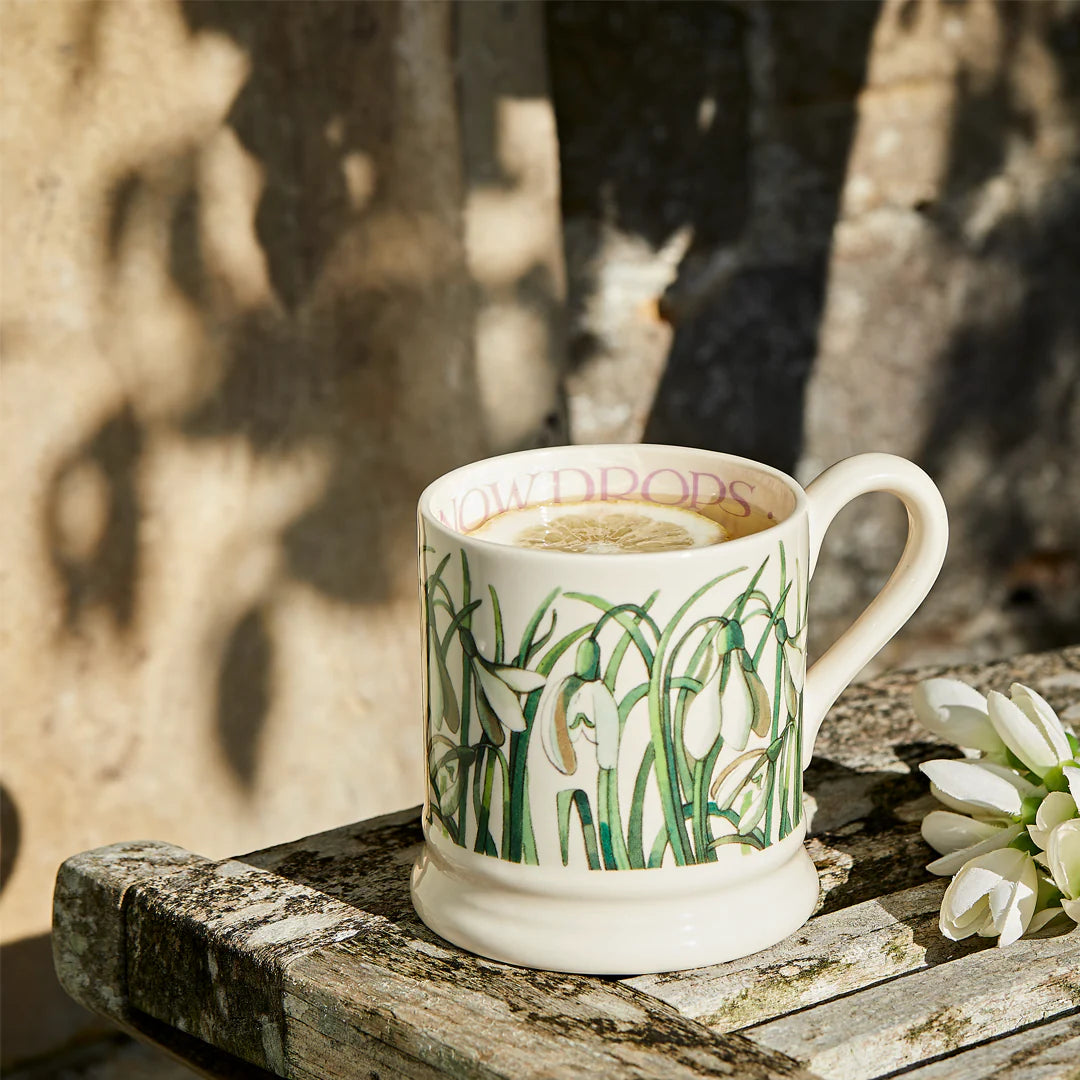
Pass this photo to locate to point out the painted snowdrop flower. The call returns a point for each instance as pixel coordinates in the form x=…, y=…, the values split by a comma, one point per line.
x=980, y=788
x=581, y=706
x=1029, y=728
x=442, y=700
x=498, y=696
x=957, y=713
x=498, y=701
x=992, y=895
x=733, y=702
x=1063, y=859
x=794, y=667
x=959, y=838
x=449, y=775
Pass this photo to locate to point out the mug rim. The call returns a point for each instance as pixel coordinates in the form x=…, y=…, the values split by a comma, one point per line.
x=711, y=550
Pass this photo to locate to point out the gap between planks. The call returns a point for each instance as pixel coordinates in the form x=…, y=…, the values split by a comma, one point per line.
x=1044, y=1052
x=970, y=999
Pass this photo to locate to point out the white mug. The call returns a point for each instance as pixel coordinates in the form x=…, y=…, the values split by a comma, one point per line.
x=615, y=742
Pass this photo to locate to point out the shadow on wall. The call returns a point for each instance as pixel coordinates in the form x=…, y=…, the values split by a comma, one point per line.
x=97, y=561
x=340, y=330
x=1007, y=424
x=313, y=363
x=676, y=115
x=736, y=121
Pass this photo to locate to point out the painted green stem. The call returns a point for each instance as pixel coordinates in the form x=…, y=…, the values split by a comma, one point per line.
x=660, y=727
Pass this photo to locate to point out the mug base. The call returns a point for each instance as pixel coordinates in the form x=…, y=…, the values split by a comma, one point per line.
x=629, y=922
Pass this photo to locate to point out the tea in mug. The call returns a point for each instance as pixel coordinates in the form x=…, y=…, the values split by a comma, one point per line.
x=603, y=528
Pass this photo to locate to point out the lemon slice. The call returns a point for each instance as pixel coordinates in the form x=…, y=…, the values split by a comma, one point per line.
x=603, y=528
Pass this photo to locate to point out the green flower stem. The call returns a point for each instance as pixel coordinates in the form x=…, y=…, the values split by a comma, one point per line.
x=627, y=704
x=703, y=809
x=517, y=806
x=666, y=778
x=787, y=782
x=751, y=591
x=466, y=701
x=477, y=790
x=497, y=614
x=770, y=789
x=757, y=613
x=434, y=580
x=740, y=602
x=778, y=691
x=617, y=654
x=467, y=691
x=776, y=615
x=700, y=819
x=484, y=843
x=621, y=613
x=446, y=822
x=607, y=811
x=462, y=619
x=530, y=630
x=682, y=759
x=580, y=801
x=660, y=726
x=660, y=844
x=528, y=839
x=637, y=805
x=541, y=641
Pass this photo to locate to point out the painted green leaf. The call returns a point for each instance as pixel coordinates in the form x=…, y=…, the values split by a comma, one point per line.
x=579, y=800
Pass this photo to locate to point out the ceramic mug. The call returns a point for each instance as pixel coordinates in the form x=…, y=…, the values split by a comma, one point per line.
x=615, y=742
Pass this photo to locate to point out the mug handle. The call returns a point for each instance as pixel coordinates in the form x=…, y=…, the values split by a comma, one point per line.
x=915, y=573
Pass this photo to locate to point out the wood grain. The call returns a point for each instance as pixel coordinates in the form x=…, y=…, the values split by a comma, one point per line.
x=833, y=954
x=437, y=1011
x=89, y=945
x=283, y=975
x=306, y=959
x=942, y=1009
x=1047, y=1052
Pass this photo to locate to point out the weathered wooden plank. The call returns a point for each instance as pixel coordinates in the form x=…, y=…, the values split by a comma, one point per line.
x=833, y=954
x=469, y=1018
x=872, y=727
x=322, y=1044
x=307, y=958
x=88, y=927
x=931, y=1012
x=869, y=801
x=206, y=947
x=366, y=864
x=1047, y=1052
x=90, y=952
x=282, y=975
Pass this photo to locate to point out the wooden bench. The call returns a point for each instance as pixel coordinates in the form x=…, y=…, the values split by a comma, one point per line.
x=306, y=960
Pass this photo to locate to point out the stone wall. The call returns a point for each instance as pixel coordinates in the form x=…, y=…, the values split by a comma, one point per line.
x=261, y=264
x=798, y=231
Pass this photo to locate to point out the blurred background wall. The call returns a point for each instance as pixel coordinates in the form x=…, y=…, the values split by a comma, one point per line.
x=269, y=268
